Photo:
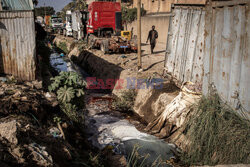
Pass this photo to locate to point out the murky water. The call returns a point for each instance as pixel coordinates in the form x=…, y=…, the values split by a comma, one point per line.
x=104, y=128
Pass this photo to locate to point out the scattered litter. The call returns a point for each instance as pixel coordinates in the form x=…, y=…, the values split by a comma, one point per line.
x=40, y=155
x=55, y=132
x=123, y=56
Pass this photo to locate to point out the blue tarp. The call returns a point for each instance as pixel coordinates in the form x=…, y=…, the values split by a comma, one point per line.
x=17, y=4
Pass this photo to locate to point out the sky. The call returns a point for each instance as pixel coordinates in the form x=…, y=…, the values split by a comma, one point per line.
x=57, y=4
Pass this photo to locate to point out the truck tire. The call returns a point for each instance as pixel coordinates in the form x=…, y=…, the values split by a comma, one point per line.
x=105, y=46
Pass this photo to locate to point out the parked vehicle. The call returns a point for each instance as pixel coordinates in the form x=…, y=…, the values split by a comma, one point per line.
x=79, y=19
x=104, y=27
x=67, y=31
x=47, y=20
x=56, y=23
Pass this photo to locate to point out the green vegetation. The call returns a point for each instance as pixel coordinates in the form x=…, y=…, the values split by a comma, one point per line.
x=126, y=101
x=130, y=14
x=63, y=47
x=73, y=6
x=217, y=135
x=69, y=87
x=42, y=10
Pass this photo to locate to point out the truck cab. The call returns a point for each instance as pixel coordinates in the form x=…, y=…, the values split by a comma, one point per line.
x=56, y=22
x=68, y=26
x=104, y=17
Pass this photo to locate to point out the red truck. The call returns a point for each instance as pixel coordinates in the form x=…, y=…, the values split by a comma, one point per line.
x=104, y=17
x=104, y=25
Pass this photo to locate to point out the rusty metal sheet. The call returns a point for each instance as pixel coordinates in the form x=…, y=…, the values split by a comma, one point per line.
x=185, y=45
x=17, y=37
x=227, y=60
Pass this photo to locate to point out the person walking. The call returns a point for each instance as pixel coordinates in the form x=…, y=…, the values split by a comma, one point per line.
x=152, y=36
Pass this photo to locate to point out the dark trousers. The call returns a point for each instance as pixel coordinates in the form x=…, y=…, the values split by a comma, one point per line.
x=152, y=47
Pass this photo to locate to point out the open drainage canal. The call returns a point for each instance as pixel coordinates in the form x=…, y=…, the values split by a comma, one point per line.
x=110, y=128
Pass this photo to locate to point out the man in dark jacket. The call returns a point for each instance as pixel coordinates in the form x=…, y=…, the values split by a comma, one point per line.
x=152, y=36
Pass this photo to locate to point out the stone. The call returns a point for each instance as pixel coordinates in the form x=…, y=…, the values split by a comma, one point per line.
x=8, y=130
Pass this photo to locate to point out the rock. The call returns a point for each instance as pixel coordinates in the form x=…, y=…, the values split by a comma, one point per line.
x=149, y=103
x=65, y=125
x=8, y=130
x=2, y=93
x=37, y=84
x=17, y=94
x=24, y=98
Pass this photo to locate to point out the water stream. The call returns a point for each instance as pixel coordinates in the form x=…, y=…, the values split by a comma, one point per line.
x=105, y=127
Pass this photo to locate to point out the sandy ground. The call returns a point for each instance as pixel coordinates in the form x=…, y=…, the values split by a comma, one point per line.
x=151, y=63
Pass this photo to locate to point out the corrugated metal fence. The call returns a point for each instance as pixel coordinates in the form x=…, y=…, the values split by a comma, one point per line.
x=184, y=57
x=17, y=44
x=227, y=59
x=212, y=47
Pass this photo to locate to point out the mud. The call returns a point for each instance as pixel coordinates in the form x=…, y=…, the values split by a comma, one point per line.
x=26, y=130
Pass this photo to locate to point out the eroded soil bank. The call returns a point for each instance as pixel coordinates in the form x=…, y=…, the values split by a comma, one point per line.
x=107, y=127
x=167, y=112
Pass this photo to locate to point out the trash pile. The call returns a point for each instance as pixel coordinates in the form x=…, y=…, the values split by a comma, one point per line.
x=34, y=131
x=22, y=98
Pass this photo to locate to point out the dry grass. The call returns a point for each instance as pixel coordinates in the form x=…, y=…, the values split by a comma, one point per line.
x=217, y=134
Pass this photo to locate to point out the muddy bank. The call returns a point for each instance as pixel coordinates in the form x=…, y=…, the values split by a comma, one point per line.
x=106, y=127
x=166, y=110
x=28, y=134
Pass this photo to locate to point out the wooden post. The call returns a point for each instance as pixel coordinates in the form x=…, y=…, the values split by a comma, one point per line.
x=139, y=33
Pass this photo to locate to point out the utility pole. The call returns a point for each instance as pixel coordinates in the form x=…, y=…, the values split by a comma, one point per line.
x=139, y=33
x=0, y=5
x=44, y=10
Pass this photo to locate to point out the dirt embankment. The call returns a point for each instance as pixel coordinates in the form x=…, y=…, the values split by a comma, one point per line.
x=165, y=109
x=149, y=101
x=29, y=136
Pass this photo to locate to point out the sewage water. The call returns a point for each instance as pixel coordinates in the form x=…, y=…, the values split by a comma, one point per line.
x=105, y=128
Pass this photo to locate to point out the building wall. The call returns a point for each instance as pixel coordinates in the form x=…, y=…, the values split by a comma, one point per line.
x=161, y=24
x=155, y=6
x=17, y=44
x=164, y=6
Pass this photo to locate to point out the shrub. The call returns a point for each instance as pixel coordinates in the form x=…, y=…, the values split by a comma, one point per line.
x=126, y=101
x=63, y=47
x=130, y=14
x=69, y=88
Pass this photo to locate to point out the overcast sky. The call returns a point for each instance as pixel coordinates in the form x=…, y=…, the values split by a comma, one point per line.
x=57, y=4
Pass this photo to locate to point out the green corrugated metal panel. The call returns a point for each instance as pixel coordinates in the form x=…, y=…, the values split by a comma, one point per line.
x=17, y=5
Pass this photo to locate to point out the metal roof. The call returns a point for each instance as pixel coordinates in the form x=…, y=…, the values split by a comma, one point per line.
x=17, y=5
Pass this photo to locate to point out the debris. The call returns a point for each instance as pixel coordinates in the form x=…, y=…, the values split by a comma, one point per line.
x=175, y=113
x=55, y=132
x=123, y=56
x=8, y=131
x=3, y=79
x=40, y=155
x=23, y=98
